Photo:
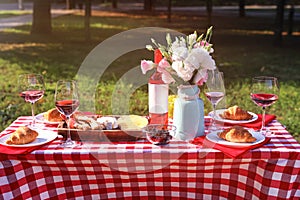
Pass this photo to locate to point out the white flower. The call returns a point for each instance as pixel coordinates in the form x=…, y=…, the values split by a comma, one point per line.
x=179, y=42
x=199, y=58
x=191, y=39
x=182, y=71
x=179, y=54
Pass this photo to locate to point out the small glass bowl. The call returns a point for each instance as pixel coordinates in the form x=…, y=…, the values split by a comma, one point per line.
x=159, y=134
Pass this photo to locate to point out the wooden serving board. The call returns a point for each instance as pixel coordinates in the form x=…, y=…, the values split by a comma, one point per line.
x=102, y=135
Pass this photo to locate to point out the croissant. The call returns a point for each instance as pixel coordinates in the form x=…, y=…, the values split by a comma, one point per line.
x=236, y=113
x=23, y=135
x=53, y=115
x=237, y=134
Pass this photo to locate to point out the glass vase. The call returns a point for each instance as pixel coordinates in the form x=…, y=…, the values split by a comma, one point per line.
x=188, y=114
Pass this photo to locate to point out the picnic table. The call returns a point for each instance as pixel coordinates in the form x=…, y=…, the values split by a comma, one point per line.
x=138, y=169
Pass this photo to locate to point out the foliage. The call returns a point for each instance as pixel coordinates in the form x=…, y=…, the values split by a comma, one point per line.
x=243, y=49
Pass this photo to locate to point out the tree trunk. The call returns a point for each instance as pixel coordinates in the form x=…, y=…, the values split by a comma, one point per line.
x=279, y=22
x=41, y=20
x=88, y=13
x=70, y=4
x=209, y=5
x=20, y=5
x=169, y=10
x=242, y=8
x=148, y=4
x=291, y=20
x=115, y=3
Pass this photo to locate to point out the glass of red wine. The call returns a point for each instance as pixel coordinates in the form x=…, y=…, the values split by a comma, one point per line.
x=264, y=92
x=67, y=102
x=215, y=91
x=31, y=87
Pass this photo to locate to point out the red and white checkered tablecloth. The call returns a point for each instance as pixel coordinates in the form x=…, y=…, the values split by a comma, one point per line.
x=128, y=170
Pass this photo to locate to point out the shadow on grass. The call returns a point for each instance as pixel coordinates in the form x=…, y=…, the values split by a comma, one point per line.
x=243, y=49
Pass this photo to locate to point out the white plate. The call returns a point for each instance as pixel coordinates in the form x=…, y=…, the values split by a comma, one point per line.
x=44, y=137
x=40, y=118
x=218, y=118
x=214, y=137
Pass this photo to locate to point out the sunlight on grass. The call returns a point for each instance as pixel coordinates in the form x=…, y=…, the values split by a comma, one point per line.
x=254, y=32
x=8, y=47
x=15, y=30
x=106, y=26
x=13, y=13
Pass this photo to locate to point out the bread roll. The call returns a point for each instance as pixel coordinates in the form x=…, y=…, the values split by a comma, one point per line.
x=237, y=134
x=236, y=113
x=23, y=135
x=53, y=115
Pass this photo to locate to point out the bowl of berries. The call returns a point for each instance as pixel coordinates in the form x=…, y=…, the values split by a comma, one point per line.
x=159, y=134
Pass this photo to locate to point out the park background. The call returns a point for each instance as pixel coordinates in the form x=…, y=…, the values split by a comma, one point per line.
x=245, y=46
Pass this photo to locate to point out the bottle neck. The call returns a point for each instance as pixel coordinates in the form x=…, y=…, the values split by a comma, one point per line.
x=157, y=56
x=156, y=77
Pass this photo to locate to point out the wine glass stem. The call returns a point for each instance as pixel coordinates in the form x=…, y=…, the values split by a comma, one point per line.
x=263, y=119
x=214, y=117
x=69, y=140
x=33, y=116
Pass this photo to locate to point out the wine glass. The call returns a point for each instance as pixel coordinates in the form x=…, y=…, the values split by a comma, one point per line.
x=67, y=102
x=31, y=87
x=215, y=91
x=264, y=92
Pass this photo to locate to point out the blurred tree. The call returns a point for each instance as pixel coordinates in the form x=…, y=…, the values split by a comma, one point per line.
x=242, y=8
x=169, y=10
x=209, y=7
x=279, y=22
x=148, y=5
x=87, y=16
x=115, y=3
x=41, y=20
x=20, y=5
x=70, y=4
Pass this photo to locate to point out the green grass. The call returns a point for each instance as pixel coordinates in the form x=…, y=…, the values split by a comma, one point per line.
x=13, y=13
x=243, y=49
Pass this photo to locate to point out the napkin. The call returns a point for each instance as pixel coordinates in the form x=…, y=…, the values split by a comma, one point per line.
x=257, y=123
x=227, y=150
x=17, y=150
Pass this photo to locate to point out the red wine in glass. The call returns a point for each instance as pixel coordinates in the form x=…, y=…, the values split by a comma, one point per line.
x=214, y=97
x=264, y=100
x=264, y=93
x=214, y=92
x=67, y=102
x=32, y=96
x=31, y=88
x=67, y=107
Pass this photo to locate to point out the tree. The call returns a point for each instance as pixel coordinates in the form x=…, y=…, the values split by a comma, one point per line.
x=209, y=7
x=87, y=16
x=41, y=20
x=279, y=22
x=242, y=8
x=148, y=5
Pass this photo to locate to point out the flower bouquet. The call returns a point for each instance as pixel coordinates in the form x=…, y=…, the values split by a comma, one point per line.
x=185, y=60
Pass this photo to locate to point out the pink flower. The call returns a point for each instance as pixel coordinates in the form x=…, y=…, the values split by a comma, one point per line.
x=162, y=65
x=167, y=78
x=201, y=77
x=147, y=65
